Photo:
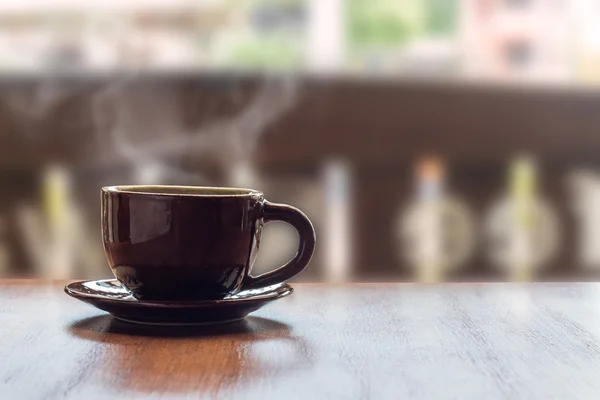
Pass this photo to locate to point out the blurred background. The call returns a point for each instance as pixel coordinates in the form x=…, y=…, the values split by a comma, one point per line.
x=428, y=140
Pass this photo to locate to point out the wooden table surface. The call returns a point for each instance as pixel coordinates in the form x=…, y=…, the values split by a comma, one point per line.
x=378, y=341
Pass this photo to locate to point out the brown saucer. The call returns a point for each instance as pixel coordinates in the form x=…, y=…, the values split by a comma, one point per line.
x=110, y=296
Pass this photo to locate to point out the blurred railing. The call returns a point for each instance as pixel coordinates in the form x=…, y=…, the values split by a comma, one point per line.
x=404, y=180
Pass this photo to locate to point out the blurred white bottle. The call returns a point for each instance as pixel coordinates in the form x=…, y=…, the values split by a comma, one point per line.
x=521, y=225
x=58, y=242
x=338, y=235
x=436, y=230
x=428, y=246
x=59, y=211
x=585, y=191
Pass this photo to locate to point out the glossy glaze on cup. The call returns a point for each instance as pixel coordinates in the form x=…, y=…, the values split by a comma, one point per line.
x=183, y=243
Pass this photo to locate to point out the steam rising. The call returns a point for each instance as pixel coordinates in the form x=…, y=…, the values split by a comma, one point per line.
x=30, y=106
x=147, y=128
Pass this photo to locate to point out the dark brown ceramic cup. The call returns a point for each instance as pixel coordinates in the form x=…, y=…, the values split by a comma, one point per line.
x=193, y=243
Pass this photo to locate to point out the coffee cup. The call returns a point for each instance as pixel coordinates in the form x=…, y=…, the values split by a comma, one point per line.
x=176, y=243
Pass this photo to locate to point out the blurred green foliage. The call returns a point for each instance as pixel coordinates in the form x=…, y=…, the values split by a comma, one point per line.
x=370, y=25
x=268, y=52
x=442, y=17
x=385, y=23
x=268, y=42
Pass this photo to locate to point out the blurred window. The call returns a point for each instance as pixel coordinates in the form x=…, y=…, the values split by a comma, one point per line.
x=456, y=39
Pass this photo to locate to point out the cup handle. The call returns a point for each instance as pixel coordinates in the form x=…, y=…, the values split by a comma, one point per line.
x=306, y=234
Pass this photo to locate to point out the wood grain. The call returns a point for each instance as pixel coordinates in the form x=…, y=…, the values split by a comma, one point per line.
x=379, y=341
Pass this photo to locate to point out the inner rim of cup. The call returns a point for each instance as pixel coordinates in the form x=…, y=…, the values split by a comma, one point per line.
x=174, y=190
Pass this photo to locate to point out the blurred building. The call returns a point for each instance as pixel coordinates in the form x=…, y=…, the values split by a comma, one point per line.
x=517, y=39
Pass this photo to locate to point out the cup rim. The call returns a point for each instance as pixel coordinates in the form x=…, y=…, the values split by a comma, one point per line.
x=186, y=191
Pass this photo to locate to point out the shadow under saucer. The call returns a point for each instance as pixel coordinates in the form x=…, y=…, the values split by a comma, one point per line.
x=102, y=326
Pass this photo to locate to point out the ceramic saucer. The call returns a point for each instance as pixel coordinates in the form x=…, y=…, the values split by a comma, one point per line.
x=110, y=296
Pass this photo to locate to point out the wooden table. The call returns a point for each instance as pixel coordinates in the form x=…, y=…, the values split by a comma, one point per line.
x=378, y=341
